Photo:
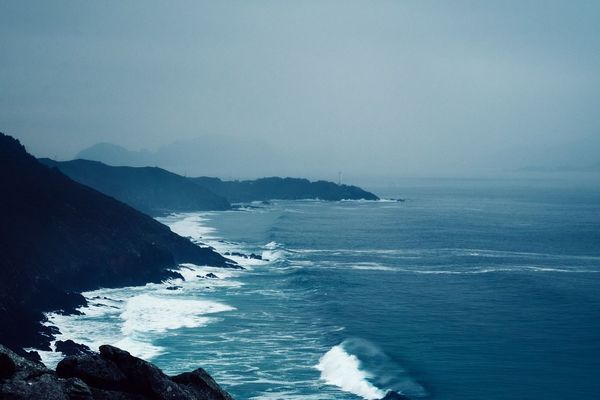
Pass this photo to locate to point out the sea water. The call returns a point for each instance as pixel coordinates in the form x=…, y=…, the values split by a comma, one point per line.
x=477, y=290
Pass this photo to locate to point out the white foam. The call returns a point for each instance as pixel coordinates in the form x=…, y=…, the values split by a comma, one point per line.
x=139, y=347
x=343, y=370
x=189, y=225
x=147, y=313
x=271, y=245
x=371, y=267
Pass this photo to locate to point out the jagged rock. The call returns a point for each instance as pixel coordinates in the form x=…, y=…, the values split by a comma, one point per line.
x=76, y=389
x=174, y=287
x=142, y=376
x=94, y=370
x=70, y=348
x=211, y=276
x=202, y=384
x=113, y=374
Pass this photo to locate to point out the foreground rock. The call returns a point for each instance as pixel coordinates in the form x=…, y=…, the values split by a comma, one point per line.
x=111, y=374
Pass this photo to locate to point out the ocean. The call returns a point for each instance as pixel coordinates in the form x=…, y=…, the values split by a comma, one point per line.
x=467, y=290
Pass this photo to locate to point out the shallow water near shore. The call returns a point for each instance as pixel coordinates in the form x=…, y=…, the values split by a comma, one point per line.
x=467, y=290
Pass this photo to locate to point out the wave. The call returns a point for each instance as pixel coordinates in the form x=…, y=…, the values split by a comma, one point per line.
x=343, y=370
x=488, y=270
x=437, y=252
x=370, y=266
x=274, y=252
x=359, y=367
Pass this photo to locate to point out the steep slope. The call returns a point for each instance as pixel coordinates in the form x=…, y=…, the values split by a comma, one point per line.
x=58, y=237
x=282, y=189
x=149, y=189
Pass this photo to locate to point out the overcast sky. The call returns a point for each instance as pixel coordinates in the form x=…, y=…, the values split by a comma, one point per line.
x=381, y=87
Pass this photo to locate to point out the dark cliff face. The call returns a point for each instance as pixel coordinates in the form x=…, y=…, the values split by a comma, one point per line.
x=58, y=237
x=282, y=189
x=151, y=190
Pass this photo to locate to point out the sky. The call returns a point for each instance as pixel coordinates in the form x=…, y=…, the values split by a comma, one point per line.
x=364, y=87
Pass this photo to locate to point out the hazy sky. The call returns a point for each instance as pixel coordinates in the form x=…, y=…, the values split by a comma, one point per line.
x=381, y=87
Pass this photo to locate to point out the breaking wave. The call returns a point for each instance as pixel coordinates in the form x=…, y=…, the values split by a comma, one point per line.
x=359, y=367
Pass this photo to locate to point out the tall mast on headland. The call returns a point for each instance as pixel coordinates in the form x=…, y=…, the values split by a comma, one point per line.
x=340, y=178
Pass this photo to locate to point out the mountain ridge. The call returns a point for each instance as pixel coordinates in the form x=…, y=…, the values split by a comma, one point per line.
x=152, y=190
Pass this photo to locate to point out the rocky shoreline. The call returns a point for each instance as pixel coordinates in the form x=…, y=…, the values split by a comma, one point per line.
x=110, y=374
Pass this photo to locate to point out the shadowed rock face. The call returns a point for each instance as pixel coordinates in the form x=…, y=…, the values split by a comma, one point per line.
x=111, y=374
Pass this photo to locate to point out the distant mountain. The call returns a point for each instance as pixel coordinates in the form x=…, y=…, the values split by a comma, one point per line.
x=58, y=237
x=282, y=189
x=113, y=154
x=151, y=190
x=216, y=155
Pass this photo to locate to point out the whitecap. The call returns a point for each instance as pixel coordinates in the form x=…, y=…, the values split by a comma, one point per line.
x=343, y=370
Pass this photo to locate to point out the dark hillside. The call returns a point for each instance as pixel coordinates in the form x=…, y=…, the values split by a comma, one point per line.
x=282, y=189
x=58, y=237
x=151, y=190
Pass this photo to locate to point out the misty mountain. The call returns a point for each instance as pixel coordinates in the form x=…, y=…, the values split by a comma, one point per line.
x=207, y=155
x=151, y=190
x=58, y=237
x=282, y=189
x=113, y=154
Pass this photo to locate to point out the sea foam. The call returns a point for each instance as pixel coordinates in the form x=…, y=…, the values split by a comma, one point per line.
x=149, y=313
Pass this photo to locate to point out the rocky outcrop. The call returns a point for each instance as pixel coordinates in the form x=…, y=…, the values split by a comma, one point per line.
x=110, y=374
x=70, y=348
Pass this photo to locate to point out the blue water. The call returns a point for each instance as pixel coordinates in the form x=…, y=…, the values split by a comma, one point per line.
x=467, y=290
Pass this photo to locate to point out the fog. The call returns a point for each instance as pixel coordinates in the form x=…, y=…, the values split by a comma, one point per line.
x=369, y=88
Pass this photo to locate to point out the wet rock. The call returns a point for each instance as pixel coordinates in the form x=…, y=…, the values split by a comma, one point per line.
x=211, y=276
x=113, y=374
x=95, y=371
x=71, y=348
x=202, y=385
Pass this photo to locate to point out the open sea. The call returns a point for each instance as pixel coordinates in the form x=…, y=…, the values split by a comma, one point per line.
x=467, y=290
